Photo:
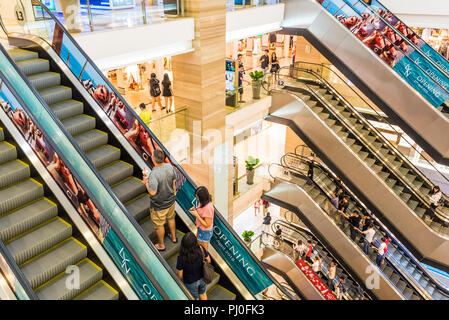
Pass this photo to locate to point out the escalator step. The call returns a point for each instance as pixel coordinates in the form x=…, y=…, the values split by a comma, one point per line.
x=128, y=189
x=116, y=171
x=17, y=54
x=415, y=297
x=337, y=129
x=8, y=152
x=437, y=296
x=99, y=291
x=78, y=124
x=12, y=172
x=398, y=189
x=408, y=293
x=363, y=155
x=388, y=271
x=2, y=134
x=139, y=207
x=32, y=66
x=52, y=262
x=67, y=108
x=418, y=184
x=370, y=161
x=103, y=155
x=311, y=103
x=45, y=80
x=18, y=194
x=38, y=239
x=405, y=196
x=27, y=217
x=403, y=171
x=395, y=279
x=410, y=177
x=330, y=122
x=91, y=139
x=220, y=293
x=56, y=94
x=147, y=226
x=390, y=181
x=377, y=169
x=378, y=146
x=430, y=288
x=57, y=289
x=424, y=190
x=356, y=147
x=170, y=247
x=412, y=204
x=420, y=211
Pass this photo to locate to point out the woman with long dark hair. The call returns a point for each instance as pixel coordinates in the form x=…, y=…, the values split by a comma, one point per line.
x=167, y=92
x=189, y=266
x=204, y=214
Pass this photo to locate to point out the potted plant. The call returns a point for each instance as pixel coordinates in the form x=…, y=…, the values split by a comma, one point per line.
x=256, y=77
x=247, y=235
x=250, y=164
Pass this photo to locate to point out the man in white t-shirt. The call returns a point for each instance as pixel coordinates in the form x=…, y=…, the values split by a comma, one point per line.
x=369, y=236
x=331, y=276
x=380, y=252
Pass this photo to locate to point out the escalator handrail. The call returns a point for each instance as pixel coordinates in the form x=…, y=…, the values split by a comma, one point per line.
x=443, y=289
x=17, y=272
x=399, y=269
x=172, y=159
x=320, y=252
x=349, y=127
x=407, y=40
x=383, y=120
x=66, y=135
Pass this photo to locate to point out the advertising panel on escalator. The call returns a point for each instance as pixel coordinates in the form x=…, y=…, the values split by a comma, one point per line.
x=76, y=194
x=428, y=80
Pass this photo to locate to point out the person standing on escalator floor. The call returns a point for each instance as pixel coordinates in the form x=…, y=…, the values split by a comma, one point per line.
x=354, y=220
x=331, y=275
x=310, y=170
x=299, y=249
x=161, y=185
x=317, y=265
x=381, y=251
x=435, y=200
x=342, y=209
x=369, y=236
x=309, y=251
x=204, y=215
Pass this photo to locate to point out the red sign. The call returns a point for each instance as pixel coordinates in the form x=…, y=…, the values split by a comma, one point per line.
x=304, y=267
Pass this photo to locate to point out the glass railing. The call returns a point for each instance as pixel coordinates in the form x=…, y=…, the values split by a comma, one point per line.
x=135, y=258
x=229, y=246
x=323, y=75
x=232, y=5
x=104, y=15
x=169, y=126
x=425, y=76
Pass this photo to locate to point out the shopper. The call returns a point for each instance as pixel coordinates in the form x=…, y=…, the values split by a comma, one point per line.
x=317, y=265
x=256, y=207
x=331, y=275
x=265, y=206
x=145, y=115
x=264, y=61
x=155, y=92
x=342, y=286
x=266, y=223
x=337, y=292
x=369, y=236
x=189, y=266
x=381, y=250
x=310, y=169
x=299, y=248
x=309, y=251
x=167, y=93
x=275, y=67
x=161, y=185
x=354, y=220
x=240, y=83
x=204, y=215
x=240, y=62
x=342, y=209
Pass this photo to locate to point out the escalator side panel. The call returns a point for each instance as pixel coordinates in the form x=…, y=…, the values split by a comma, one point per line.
x=292, y=111
x=362, y=66
x=291, y=196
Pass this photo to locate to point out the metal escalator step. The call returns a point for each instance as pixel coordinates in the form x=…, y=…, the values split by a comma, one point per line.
x=418, y=183
x=356, y=147
x=13, y=171
x=445, y=231
x=423, y=282
x=170, y=247
x=424, y=190
x=317, y=109
x=363, y=155
x=337, y=129
x=320, y=199
x=78, y=124
x=436, y=226
x=56, y=94
x=390, y=181
x=67, y=108
x=370, y=139
x=99, y=291
x=378, y=146
x=2, y=134
x=407, y=293
x=220, y=293
x=38, y=239
x=370, y=161
x=324, y=115
x=345, y=114
x=377, y=168
x=45, y=80
x=412, y=204
x=410, y=177
x=91, y=139
x=147, y=226
x=358, y=126
x=394, y=279
x=398, y=189
x=415, y=297
x=116, y=171
x=311, y=103
x=388, y=271
x=314, y=192
x=17, y=54
x=405, y=196
x=420, y=211
x=128, y=189
x=18, y=221
x=330, y=122
x=403, y=171
x=8, y=152
x=56, y=289
x=437, y=296
x=139, y=207
x=430, y=288
x=20, y=193
x=32, y=66
x=52, y=262
x=103, y=155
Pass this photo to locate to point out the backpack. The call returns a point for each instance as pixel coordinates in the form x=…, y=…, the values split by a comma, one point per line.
x=155, y=87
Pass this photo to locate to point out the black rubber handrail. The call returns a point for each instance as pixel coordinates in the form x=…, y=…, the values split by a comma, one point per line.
x=157, y=141
x=58, y=124
x=443, y=289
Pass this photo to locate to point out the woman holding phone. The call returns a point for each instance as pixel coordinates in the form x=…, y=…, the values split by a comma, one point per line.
x=204, y=214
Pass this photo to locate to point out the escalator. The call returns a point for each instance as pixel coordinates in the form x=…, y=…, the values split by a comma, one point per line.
x=118, y=146
x=397, y=255
x=40, y=236
x=366, y=162
x=296, y=193
x=409, y=86
x=291, y=233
